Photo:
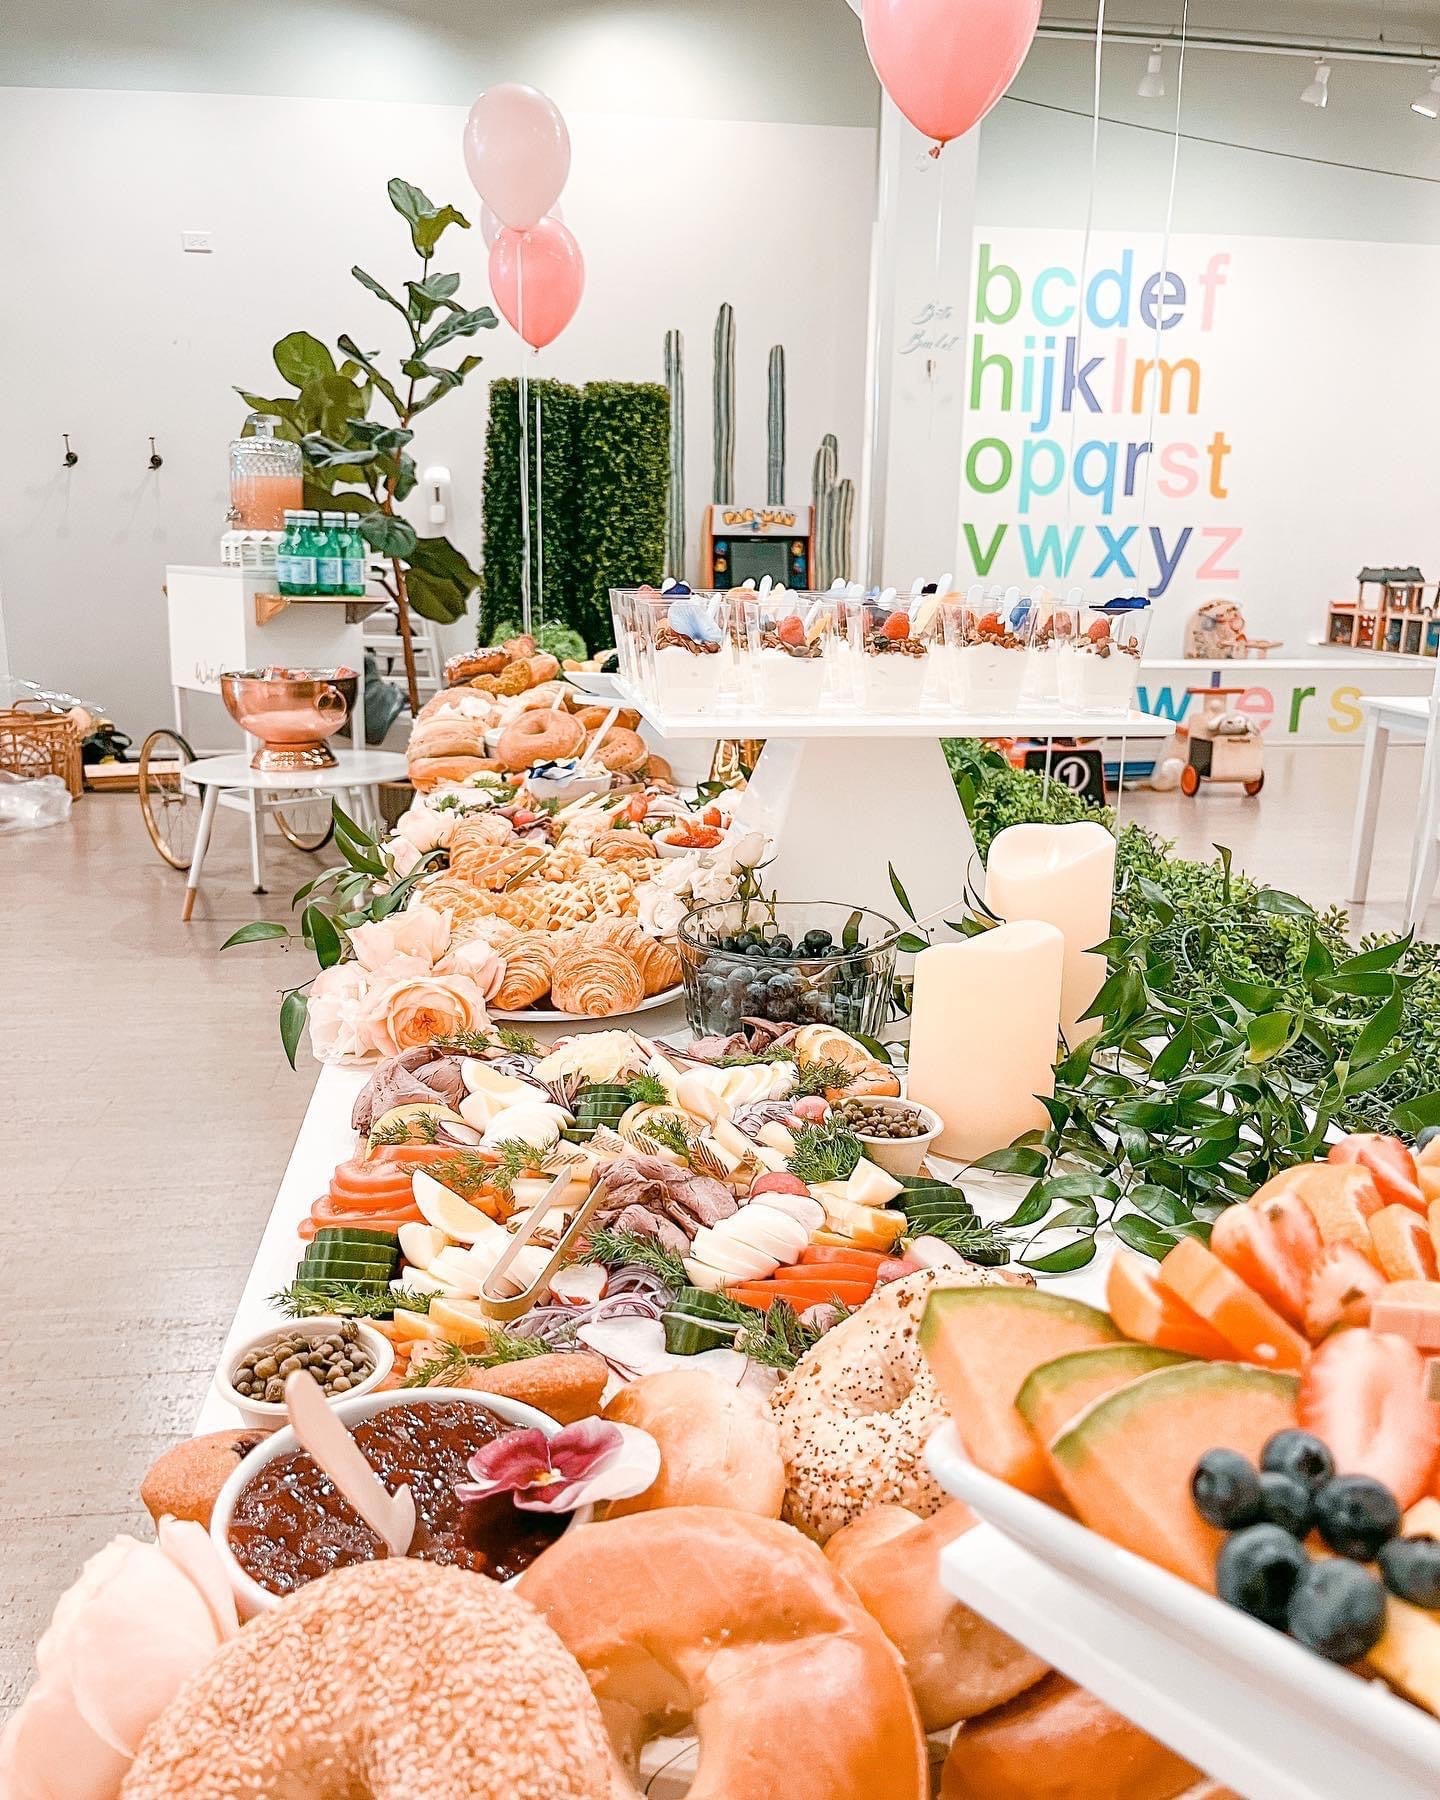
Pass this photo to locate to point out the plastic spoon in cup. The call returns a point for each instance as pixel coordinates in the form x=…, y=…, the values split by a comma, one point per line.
x=322, y=1432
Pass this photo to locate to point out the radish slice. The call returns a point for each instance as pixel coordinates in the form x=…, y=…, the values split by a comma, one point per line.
x=451, y=1131
x=582, y=1285
x=632, y=1347
x=934, y=1253
x=895, y=1268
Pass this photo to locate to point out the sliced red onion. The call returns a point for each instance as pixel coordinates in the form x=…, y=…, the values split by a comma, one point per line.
x=454, y=1131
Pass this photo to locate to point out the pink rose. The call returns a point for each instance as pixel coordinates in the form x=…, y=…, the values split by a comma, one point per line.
x=418, y=931
x=419, y=1008
x=480, y=962
x=404, y=857
x=337, y=998
x=139, y=1621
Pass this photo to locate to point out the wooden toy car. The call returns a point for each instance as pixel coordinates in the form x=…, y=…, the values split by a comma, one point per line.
x=1224, y=745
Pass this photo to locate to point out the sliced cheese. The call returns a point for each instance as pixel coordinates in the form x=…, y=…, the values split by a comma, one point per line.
x=767, y=1229
x=419, y=1281
x=867, y=1227
x=776, y=1136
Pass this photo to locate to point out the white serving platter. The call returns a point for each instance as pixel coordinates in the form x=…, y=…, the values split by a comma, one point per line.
x=547, y=1015
x=590, y=681
x=1246, y=1704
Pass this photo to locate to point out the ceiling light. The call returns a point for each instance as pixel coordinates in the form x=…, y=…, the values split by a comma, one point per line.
x=1428, y=105
x=1152, y=82
x=1318, y=92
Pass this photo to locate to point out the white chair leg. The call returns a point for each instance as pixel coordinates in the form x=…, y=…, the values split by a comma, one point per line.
x=257, y=841
x=202, y=844
x=1423, y=883
x=1367, y=805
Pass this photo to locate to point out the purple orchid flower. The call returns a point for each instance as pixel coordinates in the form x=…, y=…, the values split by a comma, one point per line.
x=589, y=1461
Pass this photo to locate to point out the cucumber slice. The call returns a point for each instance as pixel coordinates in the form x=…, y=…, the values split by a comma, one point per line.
x=338, y=1268
x=353, y=1234
x=604, y=1103
x=378, y=1258
x=685, y=1335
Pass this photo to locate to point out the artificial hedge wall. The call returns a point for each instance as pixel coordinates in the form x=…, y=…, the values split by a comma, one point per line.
x=604, y=466
x=560, y=405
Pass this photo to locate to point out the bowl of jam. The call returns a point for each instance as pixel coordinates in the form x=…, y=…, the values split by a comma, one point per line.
x=279, y=1522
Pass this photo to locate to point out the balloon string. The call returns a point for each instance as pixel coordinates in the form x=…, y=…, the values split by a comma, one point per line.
x=539, y=515
x=1085, y=260
x=1164, y=271
x=524, y=396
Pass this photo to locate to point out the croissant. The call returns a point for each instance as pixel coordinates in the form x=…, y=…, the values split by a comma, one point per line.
x=657, y=961
x=480, y=831
x=529, y=961
x=613, y=846
x=595, y=980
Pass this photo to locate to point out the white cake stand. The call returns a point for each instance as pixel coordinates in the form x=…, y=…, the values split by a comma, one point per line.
x=847, y=796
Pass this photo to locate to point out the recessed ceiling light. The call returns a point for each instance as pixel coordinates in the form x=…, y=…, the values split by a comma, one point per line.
x=1318, y=92
x=1428, y=105
x=1152, y=82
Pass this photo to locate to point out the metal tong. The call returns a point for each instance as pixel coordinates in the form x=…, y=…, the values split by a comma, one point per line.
x=511, y=1306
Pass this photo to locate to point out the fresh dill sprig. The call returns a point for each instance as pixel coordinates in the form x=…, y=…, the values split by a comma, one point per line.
x=776, y=1338
x=447, y=1365
x=415, y=1128
x=516, y=1156
x=827, y=1152
x=669, y=1133
x=970, y=1238
x=617, y=1249
x=306, y=1299
x=817, y=1077
x=518, y=1043
x=648, y=1090
x=465, y=1043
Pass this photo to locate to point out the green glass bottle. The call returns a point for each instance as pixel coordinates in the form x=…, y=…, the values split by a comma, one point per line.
x=353, y=558
x=304, y=563
x=330, y=567
x=286, y=552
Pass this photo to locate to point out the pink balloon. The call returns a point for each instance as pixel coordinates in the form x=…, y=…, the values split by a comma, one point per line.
x=537, y=278
x=517, y=152
x=946, y=62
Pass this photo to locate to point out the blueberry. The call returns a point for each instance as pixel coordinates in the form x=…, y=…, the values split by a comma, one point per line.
x=1226, y=1490
x=1411, y=1568
x=755, y=994
x=1298, y=1454
x=1356, y=1515
x=782, y=944
x=1286, y=1502
x=822, y=940
x=1258, y=1570
x=1338, y=1609
x=1427, y=1136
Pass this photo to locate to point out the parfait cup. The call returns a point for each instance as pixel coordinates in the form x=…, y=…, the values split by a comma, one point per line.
x=1101, y=653
x=988, y=635
x=685, y=650
x=787, y=640
x=898, y=642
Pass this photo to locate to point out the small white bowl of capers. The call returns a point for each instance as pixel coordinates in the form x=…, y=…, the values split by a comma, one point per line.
x=346, y=1356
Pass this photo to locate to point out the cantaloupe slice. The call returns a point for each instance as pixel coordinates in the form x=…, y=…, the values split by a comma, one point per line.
x=1255, y=1331
x=1153, y=1315
x=981, y=1344
x=1052, y=1396
x=1125, y=1464
x=1342, y=1199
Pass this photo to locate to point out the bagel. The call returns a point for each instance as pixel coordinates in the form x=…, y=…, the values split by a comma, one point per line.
x=741, y=1625
x=539, y=737
x=622, y=752
x=1059, y=1742
x=856, y=1410
x=959, y=1664
x=397, y=1679
x=428, y=772
x=718, y=1444
x=470, y=663
x=185, y=1481
x=447, y=735
x=539, y=699
x=543, y=667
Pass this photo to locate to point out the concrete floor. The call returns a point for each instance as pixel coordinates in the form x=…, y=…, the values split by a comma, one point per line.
x=151, y=1113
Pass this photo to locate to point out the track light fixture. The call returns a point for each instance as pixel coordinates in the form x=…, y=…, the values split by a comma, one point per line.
x=1152, y=82
x=1428, y=104
x=1318, y=91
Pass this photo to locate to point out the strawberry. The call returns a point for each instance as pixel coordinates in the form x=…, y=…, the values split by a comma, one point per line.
x=791, y=630
x=1342, y=1286
x=990, y=625
x=1099, y=631
x=712, y=816
x=896, y=627
x=1271, y=1243
x=1363, y=1394
x=1390, y=1162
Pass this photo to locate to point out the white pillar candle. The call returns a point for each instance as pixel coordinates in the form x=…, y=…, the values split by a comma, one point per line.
x=1065, y=875
x=983, y=1033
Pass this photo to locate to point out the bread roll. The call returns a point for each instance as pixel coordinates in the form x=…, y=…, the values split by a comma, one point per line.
x=567, y=1385
x=959, y=1664
x=719, y=1445
x=186, y=1480
x=1059, y=1742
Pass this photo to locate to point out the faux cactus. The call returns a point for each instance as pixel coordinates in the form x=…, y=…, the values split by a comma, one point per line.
x=822, y=481
x=724, y=482
x=775, y=421
x=842, y=518
x=675, y=490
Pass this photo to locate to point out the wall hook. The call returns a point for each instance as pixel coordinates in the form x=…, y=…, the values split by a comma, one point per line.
x=70, y=457
x=156, y=459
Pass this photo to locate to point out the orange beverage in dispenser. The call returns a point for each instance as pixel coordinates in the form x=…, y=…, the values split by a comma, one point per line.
x=259, y=502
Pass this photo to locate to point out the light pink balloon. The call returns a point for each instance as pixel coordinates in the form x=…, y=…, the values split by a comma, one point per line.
x=537, y=278
x=946, y=62
x=517, y=152
x=491, y=227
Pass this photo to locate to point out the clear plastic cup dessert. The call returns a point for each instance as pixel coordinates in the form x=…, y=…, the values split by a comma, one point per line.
x=898, y=640
x=684, y=648
x=788, y=637
x=622, y=617
x=1100, y=657
x=987, y=636
x=1052, y=628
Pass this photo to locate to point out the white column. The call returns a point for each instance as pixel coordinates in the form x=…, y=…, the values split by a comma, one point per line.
x=919, y=315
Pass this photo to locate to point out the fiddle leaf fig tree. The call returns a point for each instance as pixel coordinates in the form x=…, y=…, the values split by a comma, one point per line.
x=361, y=465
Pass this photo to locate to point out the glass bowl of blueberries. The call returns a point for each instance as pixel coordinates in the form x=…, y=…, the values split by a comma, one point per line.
x=804, y=962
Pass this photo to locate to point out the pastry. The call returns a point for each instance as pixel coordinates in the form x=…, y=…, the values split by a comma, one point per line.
x=427, y=772
x=595, y=980
x=185, y=1480
x=718, y=1444
x=613, y=846
x=529, y=961
x=469, y=663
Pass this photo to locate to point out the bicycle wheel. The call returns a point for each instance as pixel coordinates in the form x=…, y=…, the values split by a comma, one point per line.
x=306, y=821
x=171, y=810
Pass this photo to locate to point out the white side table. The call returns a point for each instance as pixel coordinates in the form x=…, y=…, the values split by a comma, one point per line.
x=1386, y=715
x=353, y=781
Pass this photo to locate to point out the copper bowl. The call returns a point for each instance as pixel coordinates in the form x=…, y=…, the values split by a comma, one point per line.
x=292, y=712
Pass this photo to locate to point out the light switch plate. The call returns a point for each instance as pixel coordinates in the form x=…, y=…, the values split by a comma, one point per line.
x=200, y=241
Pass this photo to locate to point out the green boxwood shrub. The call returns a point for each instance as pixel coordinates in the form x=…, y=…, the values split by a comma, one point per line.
x=624, y=470
x=560, y=406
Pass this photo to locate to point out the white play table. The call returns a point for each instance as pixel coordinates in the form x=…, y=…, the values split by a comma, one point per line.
x=845, y=795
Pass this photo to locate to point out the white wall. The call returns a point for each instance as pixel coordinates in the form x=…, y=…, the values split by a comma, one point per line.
x=112, y=333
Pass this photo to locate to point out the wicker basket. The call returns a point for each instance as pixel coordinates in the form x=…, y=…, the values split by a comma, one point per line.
x=35, y=741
